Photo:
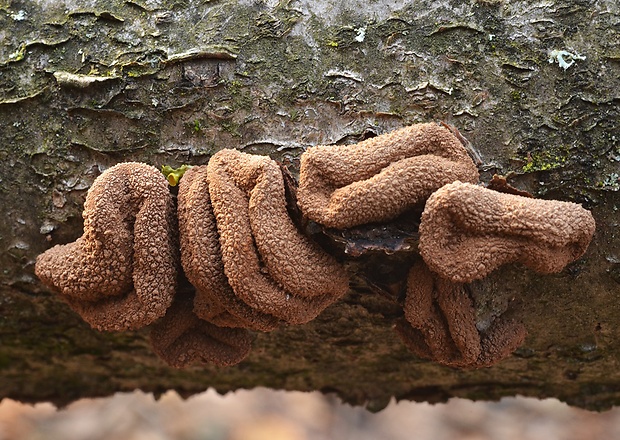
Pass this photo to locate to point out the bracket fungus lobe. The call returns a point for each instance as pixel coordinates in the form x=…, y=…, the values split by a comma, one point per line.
x=468, y=231
x=342, y=186
x=121, y=273
x=269, y=264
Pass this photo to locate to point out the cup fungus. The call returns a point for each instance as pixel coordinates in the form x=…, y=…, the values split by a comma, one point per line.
x=440, y=324
x=342, y=186
x=121, y=273
x=269, y=264
x=181, y=338
x=468, y=231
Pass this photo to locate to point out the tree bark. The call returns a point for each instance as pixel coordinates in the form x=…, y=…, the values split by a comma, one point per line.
x=172, y=82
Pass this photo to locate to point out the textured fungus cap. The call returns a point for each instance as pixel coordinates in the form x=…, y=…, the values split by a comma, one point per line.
x=440, y=324
x=468, y=231
x=121, y=273
x=201, y=258
x=269, y=264
x=181, y=338
x=342, y=186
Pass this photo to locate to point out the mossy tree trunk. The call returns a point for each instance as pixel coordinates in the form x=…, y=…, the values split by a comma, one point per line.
x=171, y=82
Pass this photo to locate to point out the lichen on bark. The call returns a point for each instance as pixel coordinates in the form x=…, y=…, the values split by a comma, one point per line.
x=172, y=82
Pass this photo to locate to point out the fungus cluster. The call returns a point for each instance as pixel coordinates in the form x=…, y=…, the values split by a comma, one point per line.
x=253, y=269
x=466, y=231
x=260, y=270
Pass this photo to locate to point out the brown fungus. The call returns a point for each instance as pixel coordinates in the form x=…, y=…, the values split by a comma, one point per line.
x=440, y=324
x=342, y=186
x=201, y=258
x=181, y=338
x=121, y=273
x=468, y=231
x=269, y=264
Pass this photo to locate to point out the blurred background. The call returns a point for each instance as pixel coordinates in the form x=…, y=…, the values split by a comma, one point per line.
x=263, y=414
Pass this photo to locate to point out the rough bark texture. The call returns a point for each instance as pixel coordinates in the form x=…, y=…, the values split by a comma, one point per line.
x=171, y=82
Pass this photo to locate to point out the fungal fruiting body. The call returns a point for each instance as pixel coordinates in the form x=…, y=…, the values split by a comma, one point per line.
x=377, y=179
x=121, y=273
x=468, y=231
x=269, y=264
x=440, y=324
x=201, y=258
x=181, y=338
